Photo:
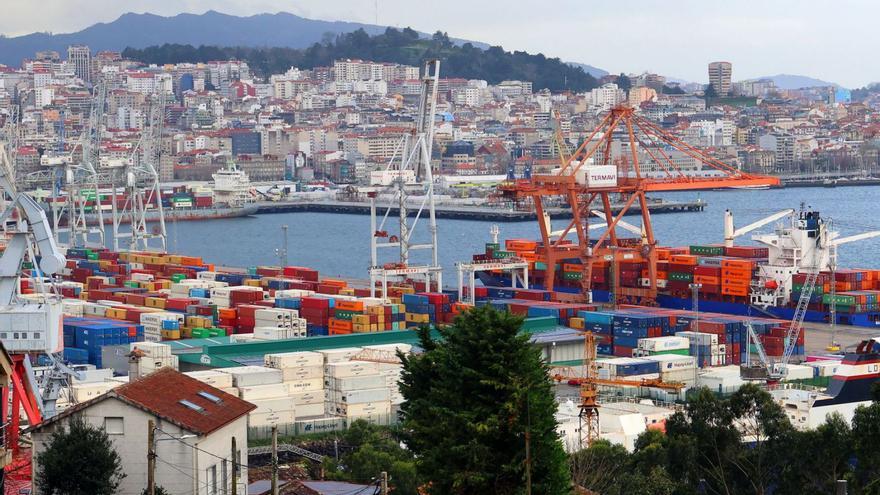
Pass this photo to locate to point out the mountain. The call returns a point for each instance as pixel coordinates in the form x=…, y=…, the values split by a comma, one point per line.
x=792, y=81
x=589, y=69
x=211, y=28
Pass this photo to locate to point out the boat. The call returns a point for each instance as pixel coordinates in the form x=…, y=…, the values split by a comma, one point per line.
x=849, y=388
x=771, y=284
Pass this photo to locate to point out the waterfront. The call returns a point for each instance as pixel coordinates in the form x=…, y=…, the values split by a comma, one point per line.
x=338, y=244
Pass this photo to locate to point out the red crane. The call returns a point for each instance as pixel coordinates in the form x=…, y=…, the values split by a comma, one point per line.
x=587, y=180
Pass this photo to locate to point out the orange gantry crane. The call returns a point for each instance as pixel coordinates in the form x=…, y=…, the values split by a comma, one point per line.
x=587, y=180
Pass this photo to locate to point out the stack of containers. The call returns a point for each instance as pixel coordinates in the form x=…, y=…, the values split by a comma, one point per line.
x=356, y=390
x=629, y=368
x=681, y=272
x=155, y=356
x=316, y=311
x=662, y=345
x=216, y=379
x=736, y=277
x=162, y=326
x=704, y=347
x=84, y=337
x=303, y=373
x=264, y=388
x=278, y=324
x=675, y=367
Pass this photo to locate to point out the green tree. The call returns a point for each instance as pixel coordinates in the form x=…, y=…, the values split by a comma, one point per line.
x=830, y=448
x=473, y=399
x=159, y=491
x=375, y=449
x=79, y=460
x=623, y=82
x=865, y=439
x=709, y=91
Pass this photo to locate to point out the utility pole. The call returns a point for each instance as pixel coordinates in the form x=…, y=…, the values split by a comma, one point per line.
x=151, y=457
x=383, y=488
x=695, y=305
x=234, y=468
x=275, y=458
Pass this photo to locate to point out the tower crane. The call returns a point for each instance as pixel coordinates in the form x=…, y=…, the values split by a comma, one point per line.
x=409, y=167
x=592, y=175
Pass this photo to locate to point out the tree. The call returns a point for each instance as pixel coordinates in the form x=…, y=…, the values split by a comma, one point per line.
x=623, y=82
x=375, y=449
x=79, y=460
x=709, y=91
x=473, y=399
x=159, y=491
x=865, y=439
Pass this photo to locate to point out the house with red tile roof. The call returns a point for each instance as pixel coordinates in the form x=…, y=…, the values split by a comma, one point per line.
x=194, y=423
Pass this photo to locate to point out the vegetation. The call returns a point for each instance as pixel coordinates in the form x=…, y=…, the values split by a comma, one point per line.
x=474, y=398
x=740, y=445
x=400, y=46
x=79, y=460
x=374, y=449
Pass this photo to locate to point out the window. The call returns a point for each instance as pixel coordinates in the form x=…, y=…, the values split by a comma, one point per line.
x=212, y=480
x=114, y=426
x=194, y=407
x=210, y=397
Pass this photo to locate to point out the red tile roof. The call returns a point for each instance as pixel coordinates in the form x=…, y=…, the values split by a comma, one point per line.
x=161, y=393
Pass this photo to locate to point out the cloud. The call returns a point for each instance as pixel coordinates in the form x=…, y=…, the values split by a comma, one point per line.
x=822, y=38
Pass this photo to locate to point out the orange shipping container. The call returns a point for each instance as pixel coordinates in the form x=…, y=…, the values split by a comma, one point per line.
x=738, y=264
x=350, y=305
x=734, y=291
x=707, y=280
x=735, y=282
x=683, y=259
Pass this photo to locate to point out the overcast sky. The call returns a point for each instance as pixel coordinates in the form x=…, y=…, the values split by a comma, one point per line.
x=834, y=40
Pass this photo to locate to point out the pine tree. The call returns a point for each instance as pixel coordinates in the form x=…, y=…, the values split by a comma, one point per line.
x=79, y=460
x=470, y=399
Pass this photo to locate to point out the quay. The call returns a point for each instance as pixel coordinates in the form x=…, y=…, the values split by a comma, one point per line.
x=479, y=213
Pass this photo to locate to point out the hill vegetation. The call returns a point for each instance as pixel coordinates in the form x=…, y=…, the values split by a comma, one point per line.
x=493, y=64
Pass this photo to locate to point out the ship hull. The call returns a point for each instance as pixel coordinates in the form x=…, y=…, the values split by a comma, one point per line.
x=871, y=319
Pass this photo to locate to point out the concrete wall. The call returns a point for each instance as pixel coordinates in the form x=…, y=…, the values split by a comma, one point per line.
x=178, y=470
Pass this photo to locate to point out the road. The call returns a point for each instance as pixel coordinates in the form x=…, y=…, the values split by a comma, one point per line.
x=818, y=336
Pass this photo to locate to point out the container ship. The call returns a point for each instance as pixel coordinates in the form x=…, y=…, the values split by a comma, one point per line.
x=767, y=279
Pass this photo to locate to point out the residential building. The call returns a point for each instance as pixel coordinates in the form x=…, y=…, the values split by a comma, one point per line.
x=195, y=426
x=720, y=74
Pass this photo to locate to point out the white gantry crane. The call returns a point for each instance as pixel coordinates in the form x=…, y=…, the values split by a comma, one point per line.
x=409, y=169
x=138, y=177
x=75, y=184
x=30, y=325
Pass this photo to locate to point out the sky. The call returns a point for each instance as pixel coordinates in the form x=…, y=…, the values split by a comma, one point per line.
x=833, y=40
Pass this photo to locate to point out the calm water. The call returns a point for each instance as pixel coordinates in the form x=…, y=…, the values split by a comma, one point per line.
x=339, y=244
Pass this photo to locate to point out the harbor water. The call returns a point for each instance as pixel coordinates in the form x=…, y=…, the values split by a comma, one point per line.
x=338, y=244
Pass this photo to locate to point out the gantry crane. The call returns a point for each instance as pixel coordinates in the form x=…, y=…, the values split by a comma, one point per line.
x=410, y=166
x=592, y=175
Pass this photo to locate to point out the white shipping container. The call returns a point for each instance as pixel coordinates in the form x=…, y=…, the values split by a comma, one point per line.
x=799, y=372
x=312, y=384
x=152, y=349
x=392, y=348
x=658, y=344
x=361, y=409
x=212, y=378
x=245, y=376
x=305, y=373
x=686, y=376
x=272, y=418
x=341, y=354
x=270, y=405
x=359, y=396
x=259, y=392
x=82, y=392
x=350, y=368
x=699, y=338
x=669, y=362
x=310, y=410
x=355, y=382
x=307, y=398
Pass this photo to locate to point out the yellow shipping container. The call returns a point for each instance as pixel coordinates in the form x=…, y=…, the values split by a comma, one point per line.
x=170, y=334
x=576, y=323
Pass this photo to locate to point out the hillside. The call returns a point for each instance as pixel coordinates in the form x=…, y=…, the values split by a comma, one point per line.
x=405, y=47
x=210, y=28
x=793, y=81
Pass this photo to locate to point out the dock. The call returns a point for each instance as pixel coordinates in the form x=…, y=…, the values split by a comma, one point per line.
x=478, y=213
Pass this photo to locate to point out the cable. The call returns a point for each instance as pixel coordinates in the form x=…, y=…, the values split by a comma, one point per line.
x=204, y=451
x=204, y=484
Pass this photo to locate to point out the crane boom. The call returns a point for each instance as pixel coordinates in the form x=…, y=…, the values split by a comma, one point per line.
x=854, y=238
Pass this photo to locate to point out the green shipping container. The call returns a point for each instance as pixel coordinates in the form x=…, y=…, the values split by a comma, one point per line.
x=493, y=246
x=707, y=250
x=539, y=323
x=572, y=275
x=681, y=276
x=679, y=352
x=177, y=277
x=839, y=300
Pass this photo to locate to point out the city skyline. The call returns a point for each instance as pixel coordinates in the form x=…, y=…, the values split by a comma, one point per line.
x=745, y=37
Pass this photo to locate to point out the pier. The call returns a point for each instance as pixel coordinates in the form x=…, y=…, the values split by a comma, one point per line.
x=479, y=213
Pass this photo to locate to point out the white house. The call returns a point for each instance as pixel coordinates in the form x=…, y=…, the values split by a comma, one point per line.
x=195, y=427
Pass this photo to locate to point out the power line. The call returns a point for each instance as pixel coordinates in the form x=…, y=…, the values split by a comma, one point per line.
x=204, y=451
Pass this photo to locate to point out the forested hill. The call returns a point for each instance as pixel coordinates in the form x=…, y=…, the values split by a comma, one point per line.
x=493, y=64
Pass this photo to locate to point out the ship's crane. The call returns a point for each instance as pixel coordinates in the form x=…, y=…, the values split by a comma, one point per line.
x=593, y=174
x=409, y=167
x=731, y=232
x=29, y=325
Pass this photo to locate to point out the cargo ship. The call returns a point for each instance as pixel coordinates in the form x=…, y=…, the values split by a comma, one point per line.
x=850, y=387
x=763, y=280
